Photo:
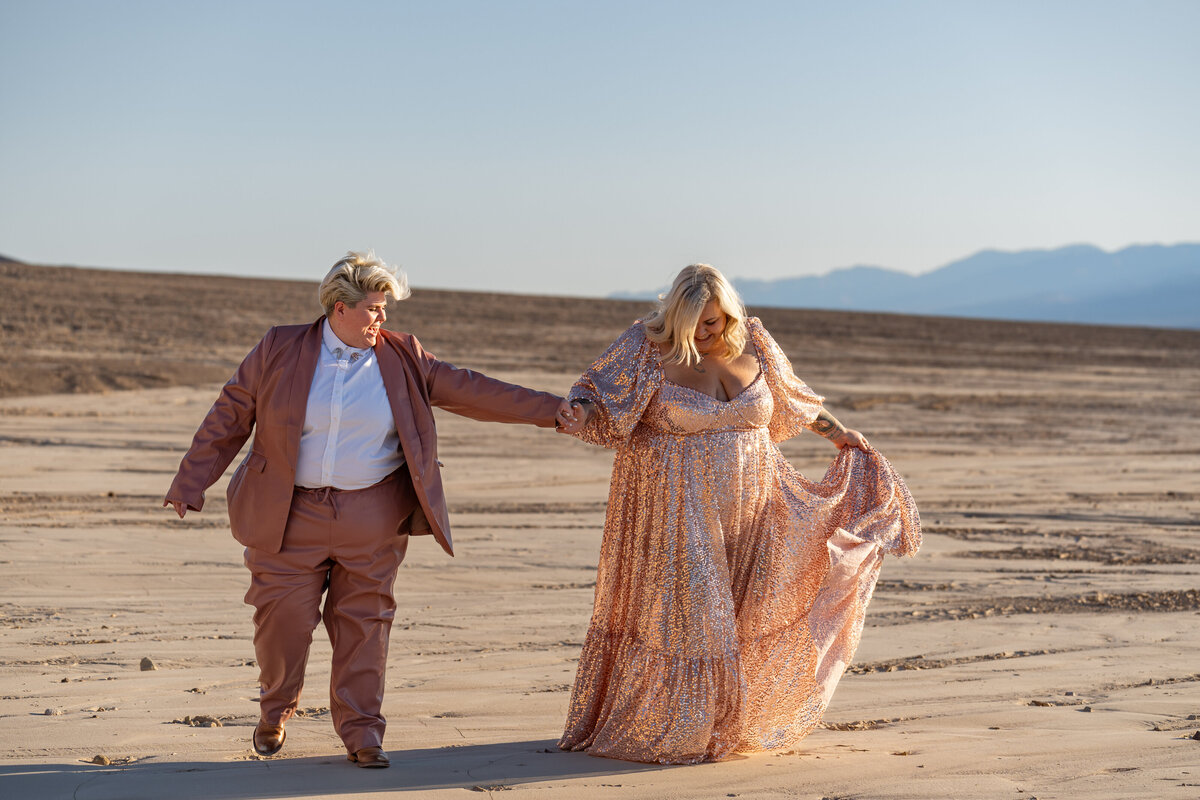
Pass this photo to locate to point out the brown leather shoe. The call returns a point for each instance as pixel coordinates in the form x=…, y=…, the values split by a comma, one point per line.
x=371, y=757
x=268, y=739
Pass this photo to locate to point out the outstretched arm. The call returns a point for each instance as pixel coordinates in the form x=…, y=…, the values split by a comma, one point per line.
x=827, y=425
x=475, y=395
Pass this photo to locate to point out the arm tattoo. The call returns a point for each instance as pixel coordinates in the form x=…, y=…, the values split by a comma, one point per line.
x=826, y=425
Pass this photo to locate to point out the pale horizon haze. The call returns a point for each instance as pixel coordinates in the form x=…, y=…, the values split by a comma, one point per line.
x=588, y=148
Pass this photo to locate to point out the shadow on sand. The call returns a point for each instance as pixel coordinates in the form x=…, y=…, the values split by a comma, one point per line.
x=480, y=767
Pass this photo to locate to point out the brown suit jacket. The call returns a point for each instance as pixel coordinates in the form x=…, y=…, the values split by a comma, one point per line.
x=269, y=394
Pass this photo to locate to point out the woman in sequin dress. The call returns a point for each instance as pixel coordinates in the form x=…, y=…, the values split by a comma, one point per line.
x=731, y=589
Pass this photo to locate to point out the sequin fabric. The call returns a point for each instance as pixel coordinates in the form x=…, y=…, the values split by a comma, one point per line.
x=731, y=590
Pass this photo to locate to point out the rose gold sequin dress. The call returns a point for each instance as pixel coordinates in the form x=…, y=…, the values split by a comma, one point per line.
x=731, y=589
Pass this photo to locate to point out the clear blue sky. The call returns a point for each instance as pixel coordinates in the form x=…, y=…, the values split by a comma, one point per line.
x=588, y=147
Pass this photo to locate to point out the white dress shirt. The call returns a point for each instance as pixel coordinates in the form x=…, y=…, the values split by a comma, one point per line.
x=349, y=438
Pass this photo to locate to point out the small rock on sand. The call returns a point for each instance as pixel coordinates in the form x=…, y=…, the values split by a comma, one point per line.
x=102, y=760
x=53, y=712
x=148, y=665
x=200, y=721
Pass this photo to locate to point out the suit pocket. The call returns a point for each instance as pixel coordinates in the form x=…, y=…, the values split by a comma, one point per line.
x=253, y=462
x=256, y=461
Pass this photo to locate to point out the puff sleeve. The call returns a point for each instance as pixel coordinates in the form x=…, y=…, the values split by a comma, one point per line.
x=620, y=384
x=796, y=405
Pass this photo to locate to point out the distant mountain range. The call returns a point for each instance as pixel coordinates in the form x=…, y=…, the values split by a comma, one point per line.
x=1154, y=285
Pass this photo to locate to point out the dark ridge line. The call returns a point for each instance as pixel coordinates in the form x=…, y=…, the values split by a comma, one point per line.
x=920, y=662
x=1101, y=602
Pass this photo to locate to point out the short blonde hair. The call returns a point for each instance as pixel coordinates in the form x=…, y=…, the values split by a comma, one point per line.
x=673, y=323
x=356, y=276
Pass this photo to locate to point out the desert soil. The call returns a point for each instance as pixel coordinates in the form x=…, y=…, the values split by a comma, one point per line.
x=1042, y=645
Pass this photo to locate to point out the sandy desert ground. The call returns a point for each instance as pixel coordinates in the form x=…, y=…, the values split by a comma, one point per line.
x=1042, y=645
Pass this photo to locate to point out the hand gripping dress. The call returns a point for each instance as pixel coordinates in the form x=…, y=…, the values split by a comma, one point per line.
x=731, y=589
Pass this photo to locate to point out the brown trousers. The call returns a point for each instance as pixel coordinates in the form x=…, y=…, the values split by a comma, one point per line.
x=346, y=545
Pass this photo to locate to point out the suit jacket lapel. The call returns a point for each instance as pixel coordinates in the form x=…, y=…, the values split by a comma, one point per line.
x=303, y=370
x=395, y=381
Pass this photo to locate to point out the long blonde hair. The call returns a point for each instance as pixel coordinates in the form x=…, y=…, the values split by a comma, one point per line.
x=673, y=323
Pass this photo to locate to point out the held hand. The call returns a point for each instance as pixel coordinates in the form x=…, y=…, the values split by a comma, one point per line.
x=852, y=439
x=564, y=415
x=575, y=417
x=179, y=506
